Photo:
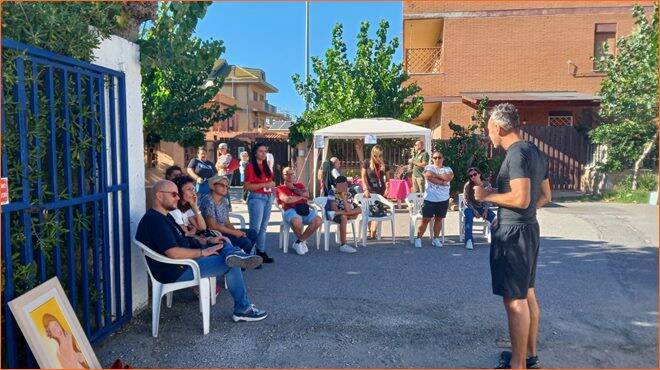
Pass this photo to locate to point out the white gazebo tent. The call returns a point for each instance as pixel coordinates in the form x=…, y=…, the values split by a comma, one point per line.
x=359, y=128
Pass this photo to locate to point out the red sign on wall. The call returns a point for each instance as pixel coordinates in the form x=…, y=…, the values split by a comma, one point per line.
x=4, y=191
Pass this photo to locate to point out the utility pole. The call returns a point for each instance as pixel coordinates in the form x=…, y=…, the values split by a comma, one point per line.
x=306, y=47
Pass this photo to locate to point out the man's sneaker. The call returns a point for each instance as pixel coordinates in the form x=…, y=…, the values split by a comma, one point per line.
x=304, y=245
x=252, y=314
x=468, y=245
x=265, y=257
x=437, y=242
x=347, y=249
x=242, y=260
x=299, y=248
x=530, y=363
x=418, y=243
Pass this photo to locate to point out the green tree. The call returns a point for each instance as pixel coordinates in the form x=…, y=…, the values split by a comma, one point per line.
x=629, y=106
x=61, y=27
x=177, y=96
x=371, y=85
x=469, y=147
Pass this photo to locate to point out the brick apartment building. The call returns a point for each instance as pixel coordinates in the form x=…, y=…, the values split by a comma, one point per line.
x=535, y=54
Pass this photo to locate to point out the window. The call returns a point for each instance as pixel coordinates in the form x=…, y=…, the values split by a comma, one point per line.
x=231, y=123
x=605, y=35
x=255, y=96
x=560, y=118
x=233, y=90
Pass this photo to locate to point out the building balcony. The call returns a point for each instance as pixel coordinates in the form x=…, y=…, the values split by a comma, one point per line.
x=270, y=108
x=423, y=60
x=257, y=105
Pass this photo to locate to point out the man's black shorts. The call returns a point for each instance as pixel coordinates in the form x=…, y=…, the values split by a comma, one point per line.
x=514, y=250
x=437, y=209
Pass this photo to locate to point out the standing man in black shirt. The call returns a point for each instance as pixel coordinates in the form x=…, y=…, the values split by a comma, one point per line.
x=158, y=231
x=522, y=187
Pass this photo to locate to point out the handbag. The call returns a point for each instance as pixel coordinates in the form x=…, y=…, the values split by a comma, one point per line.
x=302, y=209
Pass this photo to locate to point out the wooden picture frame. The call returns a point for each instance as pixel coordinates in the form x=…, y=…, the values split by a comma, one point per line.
x=51, y=328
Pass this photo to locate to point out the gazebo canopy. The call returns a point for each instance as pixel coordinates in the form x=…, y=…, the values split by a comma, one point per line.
x=385, y=128
x=359, y=128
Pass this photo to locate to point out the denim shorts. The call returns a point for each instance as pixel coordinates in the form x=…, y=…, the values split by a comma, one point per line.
x=290, y=214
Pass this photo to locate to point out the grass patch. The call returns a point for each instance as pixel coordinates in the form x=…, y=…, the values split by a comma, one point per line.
x=622, y=192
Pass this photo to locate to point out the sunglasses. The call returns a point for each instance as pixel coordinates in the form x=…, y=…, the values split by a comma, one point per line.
x=437, y=157
x=220, y=184
x=473, y=174
x=174, y=194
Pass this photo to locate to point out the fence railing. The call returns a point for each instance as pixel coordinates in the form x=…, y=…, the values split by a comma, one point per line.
x=423, y=60
x=64, y=151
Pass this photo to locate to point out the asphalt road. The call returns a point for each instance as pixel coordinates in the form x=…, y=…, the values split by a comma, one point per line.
x=395, y=306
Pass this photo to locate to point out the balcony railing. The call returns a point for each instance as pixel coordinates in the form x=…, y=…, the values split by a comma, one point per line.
x=257, y=105
x=270, y=108
x=423, y=60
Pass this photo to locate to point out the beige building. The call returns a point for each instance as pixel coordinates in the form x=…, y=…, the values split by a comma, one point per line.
x=248, y=86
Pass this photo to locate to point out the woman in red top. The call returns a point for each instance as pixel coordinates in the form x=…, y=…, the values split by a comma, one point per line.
x=259, y=184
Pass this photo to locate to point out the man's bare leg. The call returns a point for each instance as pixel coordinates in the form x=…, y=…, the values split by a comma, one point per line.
x=534, y=321
x=342, y=229
x=297, y=227
x=517, y=311
x=311, y=228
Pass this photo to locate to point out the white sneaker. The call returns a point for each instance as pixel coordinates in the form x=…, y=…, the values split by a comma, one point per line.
x=468, y=245
x=418, y=243
x=437, y=242
x=299, y=248
x=347, y=249
x=304, y=245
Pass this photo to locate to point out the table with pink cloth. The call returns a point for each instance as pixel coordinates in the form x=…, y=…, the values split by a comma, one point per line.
x=397, y=190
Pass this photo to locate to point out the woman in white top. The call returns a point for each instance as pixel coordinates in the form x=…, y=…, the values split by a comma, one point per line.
x=436, y=198
x=187, y=215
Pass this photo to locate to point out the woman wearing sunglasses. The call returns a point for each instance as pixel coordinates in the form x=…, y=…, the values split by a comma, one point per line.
x=436, y=198
x=375, y=178
x=473, y=207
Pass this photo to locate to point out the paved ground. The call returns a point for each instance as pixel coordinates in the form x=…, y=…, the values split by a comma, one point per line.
x=395, y=306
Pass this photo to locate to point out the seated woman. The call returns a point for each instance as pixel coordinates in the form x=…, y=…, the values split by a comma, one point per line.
x=187, y=214
x=215, y=210
x=339, y=208
x=473, y=207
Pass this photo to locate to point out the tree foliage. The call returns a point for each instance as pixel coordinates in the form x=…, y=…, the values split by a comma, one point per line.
x=469, y=147
x=371, y=85
x=629, y=106
x=61, y=27
x=175, y=63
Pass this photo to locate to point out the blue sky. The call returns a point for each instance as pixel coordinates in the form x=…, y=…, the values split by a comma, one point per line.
x=271, y=36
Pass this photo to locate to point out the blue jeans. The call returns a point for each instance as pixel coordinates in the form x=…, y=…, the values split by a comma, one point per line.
x=215, y=266
x=259, y=210
x=245, y=243
x=469, y=217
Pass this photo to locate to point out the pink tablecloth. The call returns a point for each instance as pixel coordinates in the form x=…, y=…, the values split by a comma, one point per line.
x=398, y=189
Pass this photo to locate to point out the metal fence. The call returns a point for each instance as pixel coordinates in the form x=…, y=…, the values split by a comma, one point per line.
x=64, y=151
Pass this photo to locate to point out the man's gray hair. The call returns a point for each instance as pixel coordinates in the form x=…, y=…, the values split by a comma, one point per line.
x=334, y=159
x=506, y=116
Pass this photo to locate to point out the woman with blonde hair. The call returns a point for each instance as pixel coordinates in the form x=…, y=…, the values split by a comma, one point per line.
x=68, y=352
x=375, y=178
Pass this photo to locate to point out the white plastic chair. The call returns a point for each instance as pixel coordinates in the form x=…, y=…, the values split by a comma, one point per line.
x=415, y=201
x=320, y=202
x=285, y=229
x=366, y=218
x=158, y=290
x=475, y=221
x=240, y=218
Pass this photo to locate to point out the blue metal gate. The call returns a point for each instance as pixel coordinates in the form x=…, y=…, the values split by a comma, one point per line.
x=64, y=150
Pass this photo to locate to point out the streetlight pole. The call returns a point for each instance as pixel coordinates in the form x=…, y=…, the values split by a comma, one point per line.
x=306, y=47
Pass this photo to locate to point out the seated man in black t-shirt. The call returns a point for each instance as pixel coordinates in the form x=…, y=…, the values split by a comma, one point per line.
x=158, y=231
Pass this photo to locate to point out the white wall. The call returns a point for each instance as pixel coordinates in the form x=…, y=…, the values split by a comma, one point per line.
x=120, y=54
